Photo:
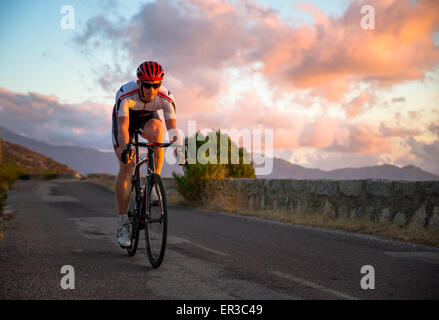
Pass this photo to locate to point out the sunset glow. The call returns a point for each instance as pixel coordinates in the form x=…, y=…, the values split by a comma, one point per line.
x=335, y=95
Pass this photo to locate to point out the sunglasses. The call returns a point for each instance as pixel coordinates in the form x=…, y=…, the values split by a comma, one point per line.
x=147, y=85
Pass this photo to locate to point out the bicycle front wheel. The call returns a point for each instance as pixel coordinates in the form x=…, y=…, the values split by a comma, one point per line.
x=134, y=209
x=156, y=222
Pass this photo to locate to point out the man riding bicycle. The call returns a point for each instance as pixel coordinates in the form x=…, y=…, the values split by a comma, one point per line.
x=136, y=107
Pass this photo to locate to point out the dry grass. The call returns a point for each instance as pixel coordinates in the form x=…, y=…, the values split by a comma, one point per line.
x=411, y=233
x=225, y=197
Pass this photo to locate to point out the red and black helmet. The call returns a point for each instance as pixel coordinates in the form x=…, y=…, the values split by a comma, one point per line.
x=150, y=71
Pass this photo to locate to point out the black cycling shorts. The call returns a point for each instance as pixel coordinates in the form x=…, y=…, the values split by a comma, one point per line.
x=138, y=119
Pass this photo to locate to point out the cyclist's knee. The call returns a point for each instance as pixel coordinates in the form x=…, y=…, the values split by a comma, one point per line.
x=154, y=130
x=125, y=170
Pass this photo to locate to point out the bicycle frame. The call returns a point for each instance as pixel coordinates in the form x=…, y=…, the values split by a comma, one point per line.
x=142, y=217
x=149, y=159
x=150, y=164
x=150, y=155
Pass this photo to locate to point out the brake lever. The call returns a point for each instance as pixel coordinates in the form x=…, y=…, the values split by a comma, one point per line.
x=124, y=154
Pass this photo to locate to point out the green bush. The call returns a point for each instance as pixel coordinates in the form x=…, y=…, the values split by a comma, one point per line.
x=9, y=173
x=194, y=185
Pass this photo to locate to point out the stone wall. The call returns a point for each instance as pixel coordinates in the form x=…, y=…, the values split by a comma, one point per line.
x=380, y=201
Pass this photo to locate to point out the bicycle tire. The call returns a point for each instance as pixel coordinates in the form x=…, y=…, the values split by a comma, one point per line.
x=134, y=210
x=156, y=222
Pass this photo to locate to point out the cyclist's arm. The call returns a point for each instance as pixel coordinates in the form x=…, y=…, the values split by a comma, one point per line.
x=124, y=137
x=171, y=121
x=171, y=124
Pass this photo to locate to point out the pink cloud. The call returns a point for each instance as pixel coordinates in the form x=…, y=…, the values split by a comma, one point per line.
x=337, y=52
x=197, y=40
x=387, y=131
x=88, y=124
x=45, y=118
x=426, y=153
x=339, y=136
x=292, y=131
x=318, y=15
x=362, y=139
x=358, y=104
x=319, y=134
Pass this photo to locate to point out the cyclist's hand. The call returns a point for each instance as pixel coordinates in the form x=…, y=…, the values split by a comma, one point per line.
x=119, y=153
x=180, y=156
x=123, y=156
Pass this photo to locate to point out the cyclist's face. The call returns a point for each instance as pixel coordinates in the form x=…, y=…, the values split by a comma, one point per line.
x=150, y=89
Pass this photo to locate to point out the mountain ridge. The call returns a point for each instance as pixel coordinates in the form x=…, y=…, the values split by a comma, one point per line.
x=385, y=172
x=31, y=162
x=87, y=160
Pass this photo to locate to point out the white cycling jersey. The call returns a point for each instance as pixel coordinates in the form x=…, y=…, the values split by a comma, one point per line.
x=128, y=98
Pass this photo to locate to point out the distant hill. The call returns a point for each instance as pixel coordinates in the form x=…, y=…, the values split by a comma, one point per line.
x=87, y=160
x=81, y=159
x=286, y=170
x=31, y=161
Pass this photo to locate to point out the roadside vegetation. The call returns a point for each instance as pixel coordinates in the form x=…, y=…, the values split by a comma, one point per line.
x=389, y=230
x=201, y=183
x=204, y=186
x=9, y=173
x=18, y=162
x=31, y=163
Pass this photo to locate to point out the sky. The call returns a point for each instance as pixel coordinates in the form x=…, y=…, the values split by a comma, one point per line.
x=335, y=89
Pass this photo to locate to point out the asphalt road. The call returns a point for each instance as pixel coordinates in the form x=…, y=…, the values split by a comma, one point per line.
x=209, y=255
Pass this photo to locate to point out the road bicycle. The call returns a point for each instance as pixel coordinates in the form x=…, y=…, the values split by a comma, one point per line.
x=147, y=208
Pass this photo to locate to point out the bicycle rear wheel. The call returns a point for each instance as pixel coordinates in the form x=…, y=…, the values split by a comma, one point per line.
x=156, y=222
x=134, y=208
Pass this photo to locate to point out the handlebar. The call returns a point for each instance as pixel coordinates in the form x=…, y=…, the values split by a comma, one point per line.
x=128, y=151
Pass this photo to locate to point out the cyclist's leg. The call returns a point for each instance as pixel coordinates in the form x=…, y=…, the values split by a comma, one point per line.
x=154, y=131
x=122, y=186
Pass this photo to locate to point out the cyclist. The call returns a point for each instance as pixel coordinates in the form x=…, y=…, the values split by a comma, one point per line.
x=137, y=103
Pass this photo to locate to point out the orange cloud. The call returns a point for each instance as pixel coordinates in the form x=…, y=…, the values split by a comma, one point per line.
x=356, y=105
x=292, y=131
x=363, y=139
x=319, y=134
x=337, y=52
x=199, y=39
